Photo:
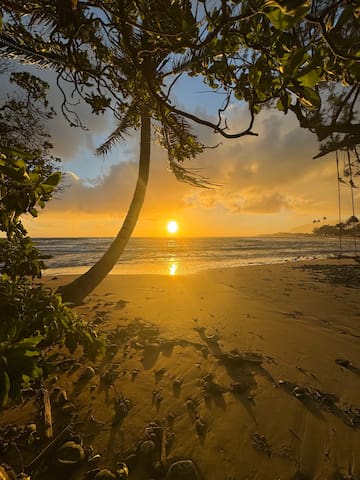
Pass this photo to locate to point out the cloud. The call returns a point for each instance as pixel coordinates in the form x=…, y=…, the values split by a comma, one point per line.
x=69, y=142
x=106, y=195
x=269, y=173
x=272, y=176
x=251, y=202
x=267, y=203
x=264, y=174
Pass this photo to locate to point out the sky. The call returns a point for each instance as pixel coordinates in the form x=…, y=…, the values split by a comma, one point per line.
x=264, y=184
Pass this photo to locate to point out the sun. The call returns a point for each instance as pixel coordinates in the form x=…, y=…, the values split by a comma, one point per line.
x=172, y=227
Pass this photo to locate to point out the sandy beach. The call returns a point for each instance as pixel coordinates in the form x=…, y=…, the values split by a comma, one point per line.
x=253, y=372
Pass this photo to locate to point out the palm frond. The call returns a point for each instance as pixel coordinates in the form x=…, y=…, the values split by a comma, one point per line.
x=185, y=62
x=175, y=136
x=187, y=175
x=11, y=48
x=41, y=17
x=129, y=120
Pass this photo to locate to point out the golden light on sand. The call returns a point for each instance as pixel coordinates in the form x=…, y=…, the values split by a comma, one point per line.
x=172, y=227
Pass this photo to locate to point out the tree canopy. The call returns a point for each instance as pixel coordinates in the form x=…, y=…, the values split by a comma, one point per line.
x=301, y=56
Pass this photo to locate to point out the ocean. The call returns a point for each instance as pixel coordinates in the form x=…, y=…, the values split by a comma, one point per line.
x=176, y=256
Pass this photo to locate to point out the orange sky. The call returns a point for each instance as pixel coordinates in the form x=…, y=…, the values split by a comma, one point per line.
x=266, y=184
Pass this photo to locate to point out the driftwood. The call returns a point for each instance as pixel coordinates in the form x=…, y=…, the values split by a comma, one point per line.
x=49, y=448
x=47, y=417
x=163, y=442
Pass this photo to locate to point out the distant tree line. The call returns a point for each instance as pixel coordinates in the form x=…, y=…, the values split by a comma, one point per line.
x=350, y=227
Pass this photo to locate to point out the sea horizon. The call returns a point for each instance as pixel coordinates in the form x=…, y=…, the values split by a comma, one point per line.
x=177, y=236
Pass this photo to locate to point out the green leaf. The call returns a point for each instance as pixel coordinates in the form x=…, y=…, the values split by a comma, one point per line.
x=36, y=372
x=25, y=379
x=310, y=98
x=284, y=102
x=285, y=15
x=309, y=79
x=255, y=73
x=30, y=342
x=290, y=7
x=279, y=20
x=16, y=172
x=33, y=212
x=16, y=152
x=297, y=58
x=34, y=177
x=256, y=108
x=31, y=353
x=53, y=179
x=45, y=189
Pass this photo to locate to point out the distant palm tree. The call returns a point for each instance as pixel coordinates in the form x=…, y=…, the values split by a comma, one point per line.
x=351, y=222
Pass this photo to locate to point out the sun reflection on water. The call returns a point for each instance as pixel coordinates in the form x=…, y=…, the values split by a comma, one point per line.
x=173, y=268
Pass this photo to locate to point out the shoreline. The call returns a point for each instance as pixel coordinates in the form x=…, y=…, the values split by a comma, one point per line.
x=179, y=256
x=167, y=268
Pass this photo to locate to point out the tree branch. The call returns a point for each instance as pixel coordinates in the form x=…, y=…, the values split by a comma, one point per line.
x=335, y=51
x=213, y=126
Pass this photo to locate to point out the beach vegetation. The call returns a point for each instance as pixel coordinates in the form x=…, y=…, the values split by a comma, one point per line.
x=350, y=227
x=33, y=316
x=301, y=57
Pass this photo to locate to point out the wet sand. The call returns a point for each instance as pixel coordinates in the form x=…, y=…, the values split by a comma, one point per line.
x=253, y=372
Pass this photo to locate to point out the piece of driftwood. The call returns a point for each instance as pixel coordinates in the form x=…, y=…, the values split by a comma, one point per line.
x=47, y=417
x=49, y=448
x=163, y=441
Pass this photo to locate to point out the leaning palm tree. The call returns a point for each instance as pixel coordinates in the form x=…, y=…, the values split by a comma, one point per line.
x=131, y=67
x=174, y=134
x=134, y=71
x=78, y=289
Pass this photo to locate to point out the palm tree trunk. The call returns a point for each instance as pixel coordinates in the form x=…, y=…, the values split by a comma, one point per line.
x=78, y=289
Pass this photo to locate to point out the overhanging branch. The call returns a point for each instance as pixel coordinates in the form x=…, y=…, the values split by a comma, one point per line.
x=214, y=126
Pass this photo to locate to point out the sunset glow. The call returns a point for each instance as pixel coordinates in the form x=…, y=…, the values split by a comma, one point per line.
x=172, y=227
x=258, y=191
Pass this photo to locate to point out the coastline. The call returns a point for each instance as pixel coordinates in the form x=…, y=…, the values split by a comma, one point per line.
x=181, y=256
x=173, y=267
x=243, y=362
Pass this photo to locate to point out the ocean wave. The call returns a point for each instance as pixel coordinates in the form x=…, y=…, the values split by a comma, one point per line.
x=190, y=254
